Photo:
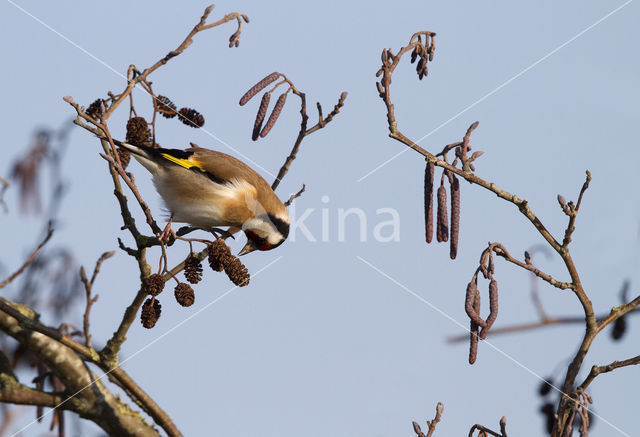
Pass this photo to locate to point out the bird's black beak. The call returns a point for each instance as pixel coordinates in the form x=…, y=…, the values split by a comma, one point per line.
x=248, y=248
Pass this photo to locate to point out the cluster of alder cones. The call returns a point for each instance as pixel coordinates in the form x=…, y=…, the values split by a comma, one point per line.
x=220, y=259
x=138, y=131
x=188, y=116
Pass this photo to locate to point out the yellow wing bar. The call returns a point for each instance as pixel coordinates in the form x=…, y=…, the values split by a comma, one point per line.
x=186, y=163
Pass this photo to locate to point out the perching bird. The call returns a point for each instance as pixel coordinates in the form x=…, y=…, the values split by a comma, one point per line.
x=206, y=189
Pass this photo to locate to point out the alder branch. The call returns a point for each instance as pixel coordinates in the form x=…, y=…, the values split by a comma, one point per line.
x=389, y=64
x=426, y=51
x=598, y=370
x=574, y=212
x=59, y=354
x=88, y=286
x=30, y=321
x=431, y=424
x=500, y=250
x=618, y=312
x=295, y=196
x=27, y=320
x=199, y=27
x=5, y=185
x=15, y=393
x=29, y=260
x=322, y=122
x=530, y=326
x=484, y=430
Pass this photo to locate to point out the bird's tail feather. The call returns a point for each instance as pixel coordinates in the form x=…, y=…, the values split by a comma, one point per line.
x=144, y=155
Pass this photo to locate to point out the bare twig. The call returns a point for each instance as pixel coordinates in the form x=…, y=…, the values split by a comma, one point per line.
x=322, y=122
x=5, y=184
x=88, y=286
x=618, y=312
x=199, y=27
x=295, y=196
x=484, y=430
x=597, y=370
x=572, y=218
x=592, y=327
x=530, y=326
x=500, y=250
x=29, y=260
x=432, y=424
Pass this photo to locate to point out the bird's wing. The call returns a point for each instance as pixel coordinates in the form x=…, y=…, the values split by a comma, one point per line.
x=188, y=160
x=223, y=166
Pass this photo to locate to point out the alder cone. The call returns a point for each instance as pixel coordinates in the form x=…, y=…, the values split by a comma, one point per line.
x=192, y=269
x=154, y=284
x=236, y=271
x=94, y=108
x=219, y=252
x=150, y=313
x=125, y=157
x=166, y=107
x=138, y=132
x=191, y=117
x=184, y=294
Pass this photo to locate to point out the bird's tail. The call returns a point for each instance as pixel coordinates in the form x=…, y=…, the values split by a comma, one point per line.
x=147, y=156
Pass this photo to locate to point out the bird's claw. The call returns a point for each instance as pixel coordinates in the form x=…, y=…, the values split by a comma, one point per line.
x=221, y=233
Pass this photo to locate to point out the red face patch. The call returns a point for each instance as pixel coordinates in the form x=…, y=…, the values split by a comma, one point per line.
x=265, y=246
x=258, y=242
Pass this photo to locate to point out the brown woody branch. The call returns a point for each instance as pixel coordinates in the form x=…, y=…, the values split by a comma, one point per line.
x=12, y=392
x=389, y=64
x=88, y=286
x=322, y=122
x=199, y=27
x=5, y=185
x=597, y=370
x=618, y=312
x=603, y=321
x=431, y=424
x=500, y=250
x=387, y=70
x=29, y=260
x=59, y=353
x=295, y=196
x=27, y=319
x=483, y=430
x=574, y=212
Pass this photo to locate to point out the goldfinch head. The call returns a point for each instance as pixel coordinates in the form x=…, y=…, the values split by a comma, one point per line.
x=265, y=232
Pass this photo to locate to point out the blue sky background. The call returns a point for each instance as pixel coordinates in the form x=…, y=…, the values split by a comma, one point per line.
x=321, y=343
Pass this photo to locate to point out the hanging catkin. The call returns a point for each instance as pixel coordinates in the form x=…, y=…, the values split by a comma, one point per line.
x=428, y=200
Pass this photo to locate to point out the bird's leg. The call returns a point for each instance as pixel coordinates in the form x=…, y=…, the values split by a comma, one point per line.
x=167, y=233
x=221, y=233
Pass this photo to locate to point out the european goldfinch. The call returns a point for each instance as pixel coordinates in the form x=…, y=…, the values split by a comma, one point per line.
x=206, y=189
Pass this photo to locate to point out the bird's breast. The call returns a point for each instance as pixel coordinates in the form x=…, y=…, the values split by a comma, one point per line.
x=200, y=202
